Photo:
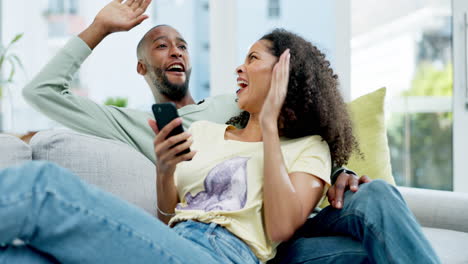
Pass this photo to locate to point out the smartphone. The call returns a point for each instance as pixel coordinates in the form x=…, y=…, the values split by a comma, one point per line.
x=164, y=113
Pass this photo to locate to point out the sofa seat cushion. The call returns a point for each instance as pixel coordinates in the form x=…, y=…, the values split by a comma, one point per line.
x=111, y=165
x=451, y=246
x=13, y=151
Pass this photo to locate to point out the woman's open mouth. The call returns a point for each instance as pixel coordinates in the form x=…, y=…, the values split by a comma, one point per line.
x=243, y=84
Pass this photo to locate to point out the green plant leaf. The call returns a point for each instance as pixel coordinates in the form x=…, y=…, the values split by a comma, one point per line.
x=3, y=52
x=13, y=69
x=13, y=41
x=16, y=38
x=2, y=60
x=12, y=73
x=18, y=61
x=117, y=101
x=12, y=59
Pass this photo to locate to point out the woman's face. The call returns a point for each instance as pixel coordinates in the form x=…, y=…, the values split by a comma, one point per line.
x=254, y=77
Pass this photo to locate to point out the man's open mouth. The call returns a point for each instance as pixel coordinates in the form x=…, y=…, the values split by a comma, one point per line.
x=176, y=67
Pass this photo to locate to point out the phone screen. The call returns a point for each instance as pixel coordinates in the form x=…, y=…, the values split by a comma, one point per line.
x=164, y=113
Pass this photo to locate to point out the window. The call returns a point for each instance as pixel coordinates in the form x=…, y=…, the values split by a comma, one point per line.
x=62, y=17
x=409, y=51
x=62, y=7
x=274, y=9
x=56, y=7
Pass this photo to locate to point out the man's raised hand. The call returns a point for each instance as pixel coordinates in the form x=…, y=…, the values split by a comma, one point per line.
x=121, y=15
x=118, y=15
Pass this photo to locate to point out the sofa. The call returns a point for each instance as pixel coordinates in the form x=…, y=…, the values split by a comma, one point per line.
x=121, y=170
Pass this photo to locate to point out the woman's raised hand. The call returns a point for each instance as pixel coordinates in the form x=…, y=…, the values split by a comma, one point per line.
x=120, y=15
x=277, y=94
x=164, y=149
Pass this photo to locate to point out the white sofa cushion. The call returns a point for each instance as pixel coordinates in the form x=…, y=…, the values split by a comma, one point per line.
x=13, y=151
x=111, y=165
x=438, y=209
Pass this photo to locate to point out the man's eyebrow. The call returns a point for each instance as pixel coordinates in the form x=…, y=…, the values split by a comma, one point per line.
x=165, y=37
x=182, y=40
x=158, y=38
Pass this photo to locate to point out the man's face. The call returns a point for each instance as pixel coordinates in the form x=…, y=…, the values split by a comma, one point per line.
x=168, y=62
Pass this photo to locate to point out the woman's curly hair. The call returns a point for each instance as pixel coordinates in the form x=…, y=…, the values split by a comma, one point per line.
x=313, y=104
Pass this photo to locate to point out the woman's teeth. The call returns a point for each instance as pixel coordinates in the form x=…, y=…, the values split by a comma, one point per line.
x=242, y=84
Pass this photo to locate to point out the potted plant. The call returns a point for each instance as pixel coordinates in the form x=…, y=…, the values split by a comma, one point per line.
x=11, y=62
x=117, y=101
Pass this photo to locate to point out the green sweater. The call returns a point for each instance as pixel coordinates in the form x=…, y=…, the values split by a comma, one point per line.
x=49, y=93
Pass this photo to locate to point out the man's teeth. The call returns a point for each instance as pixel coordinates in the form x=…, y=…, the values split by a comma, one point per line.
x=176, y=67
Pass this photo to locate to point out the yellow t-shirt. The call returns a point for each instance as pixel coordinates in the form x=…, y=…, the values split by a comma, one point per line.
x=223, y=183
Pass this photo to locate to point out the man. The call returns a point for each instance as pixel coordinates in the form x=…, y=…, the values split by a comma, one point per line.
x=164, y=62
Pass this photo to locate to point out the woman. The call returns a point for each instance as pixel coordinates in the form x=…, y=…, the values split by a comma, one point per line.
x=231, y=189
x=242, y=193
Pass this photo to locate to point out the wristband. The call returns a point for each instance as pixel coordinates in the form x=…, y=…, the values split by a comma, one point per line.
x=338, y=172
x=164, y=213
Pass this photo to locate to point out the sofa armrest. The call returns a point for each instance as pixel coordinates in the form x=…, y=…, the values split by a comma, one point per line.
x=438, y=209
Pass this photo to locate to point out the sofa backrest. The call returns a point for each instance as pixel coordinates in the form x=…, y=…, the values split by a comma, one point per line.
x=111, y=165
x=13, y=151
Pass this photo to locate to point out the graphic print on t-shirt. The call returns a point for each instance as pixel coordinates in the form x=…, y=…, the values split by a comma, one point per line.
x=225, y=188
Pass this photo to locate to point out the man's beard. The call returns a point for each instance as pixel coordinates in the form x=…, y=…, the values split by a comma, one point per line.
x=175, y=92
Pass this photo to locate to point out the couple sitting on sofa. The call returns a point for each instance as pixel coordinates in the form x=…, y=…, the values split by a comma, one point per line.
x=243, y=192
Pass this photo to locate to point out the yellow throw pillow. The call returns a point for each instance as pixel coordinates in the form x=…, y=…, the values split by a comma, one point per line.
x=367, y=115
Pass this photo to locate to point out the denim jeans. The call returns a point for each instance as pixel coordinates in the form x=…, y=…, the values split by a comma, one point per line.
x=374, y=226
x=62, y=219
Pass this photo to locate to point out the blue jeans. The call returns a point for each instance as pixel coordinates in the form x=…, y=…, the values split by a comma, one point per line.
x=374, y=226
x=61, y=219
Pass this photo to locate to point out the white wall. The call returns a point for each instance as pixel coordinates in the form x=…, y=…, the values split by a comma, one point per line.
x=223, y=43
x=324, y=23
x=19, y=17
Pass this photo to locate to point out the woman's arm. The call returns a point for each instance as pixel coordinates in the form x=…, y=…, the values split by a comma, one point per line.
x=166, y=161
x=167, y=196
x=288, y=198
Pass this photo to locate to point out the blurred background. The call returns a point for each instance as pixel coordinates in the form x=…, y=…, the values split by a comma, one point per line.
x=417, y=49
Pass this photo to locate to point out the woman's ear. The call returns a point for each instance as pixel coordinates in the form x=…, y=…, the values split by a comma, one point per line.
x=141, y=68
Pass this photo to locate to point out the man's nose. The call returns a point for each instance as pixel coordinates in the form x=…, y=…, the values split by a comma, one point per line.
x=176, y=53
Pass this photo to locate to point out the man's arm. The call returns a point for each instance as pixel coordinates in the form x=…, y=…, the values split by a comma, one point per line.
x=49, y=91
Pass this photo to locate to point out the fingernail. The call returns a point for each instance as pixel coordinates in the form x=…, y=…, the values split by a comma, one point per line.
x=338, y=204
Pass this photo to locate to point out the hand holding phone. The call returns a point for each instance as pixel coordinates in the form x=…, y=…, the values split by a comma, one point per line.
x=164, y=113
